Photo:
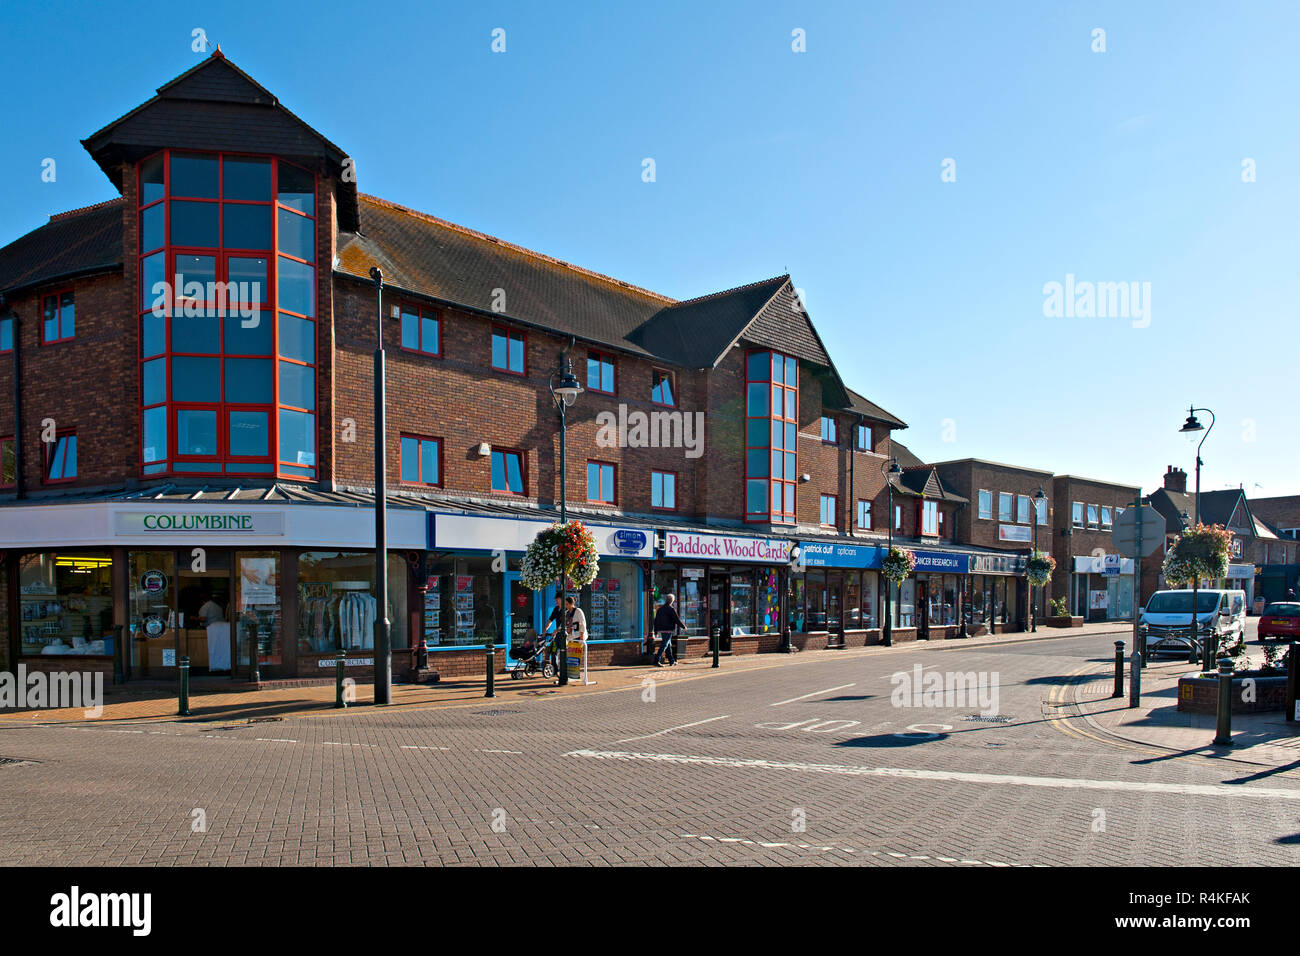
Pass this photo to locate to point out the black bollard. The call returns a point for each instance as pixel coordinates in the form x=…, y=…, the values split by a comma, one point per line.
x=1292, y=676
x=491, y=668
x=1135, y=679
x=717, y=643
x=184, y=710
x=1223, y=736
x=339, y=663
x=1119, y=669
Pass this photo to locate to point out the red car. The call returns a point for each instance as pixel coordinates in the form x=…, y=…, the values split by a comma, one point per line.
x=1280, y=621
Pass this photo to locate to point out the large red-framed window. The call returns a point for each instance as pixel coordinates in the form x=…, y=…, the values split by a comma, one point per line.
x=227, y=268
x=771, y=436
x=829, y=511
x=509, y=350
x=421, y=330
x=509, y=472
x=421, y=460
x=663, y=390
x=601, y=372
x=58, y=317
x=602, y=483
x=60, y=458
x=663, y=490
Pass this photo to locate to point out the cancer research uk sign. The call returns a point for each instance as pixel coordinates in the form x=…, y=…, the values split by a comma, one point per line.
x=716, y=547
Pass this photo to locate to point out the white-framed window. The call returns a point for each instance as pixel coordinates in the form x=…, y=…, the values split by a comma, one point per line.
x=1106, y=521
x=1006, y=506
x=1040, y=507
x=830, y=432
x=1076, y=514
x=1093, y=523
x=930, y=517
x=986, y=504
x=828, y=510
x=864, y=515
x=1022, y=509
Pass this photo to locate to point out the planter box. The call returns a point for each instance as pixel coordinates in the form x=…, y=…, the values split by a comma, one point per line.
x=1063, y=621
x=1199, y=694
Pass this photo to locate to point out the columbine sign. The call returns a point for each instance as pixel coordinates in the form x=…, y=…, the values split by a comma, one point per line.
x=145, y=522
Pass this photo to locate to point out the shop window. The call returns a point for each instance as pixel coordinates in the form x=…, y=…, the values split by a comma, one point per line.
x=508, y=350
x=601, y=483
x=985, y=504
x=662, y=388
x=600, y=373
x=864, y=515
x=1106, y=522
x=420, y=330
x=929, y=517
x=58, y=317
x=464, y=603
x=864, y=438
x=767, y=606
x=1022, y=509
x=66, y=603
x=421, y=460
x=8, y=462
x=1076, y=514
x=1093, y=523
x=338, y=602
x=828, y=503
x=610, y=603
x=508, y=472
x=61, y=457
x=1006, y=506
x=771, y=433
x=7, y=334
x=663, y=490
x=830, y=430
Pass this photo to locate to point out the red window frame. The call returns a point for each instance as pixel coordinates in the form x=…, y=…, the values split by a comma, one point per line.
x=898, y=519
x=864, y=526
x=57, y=296
x=8, y=440
x=835, y=511
x=421, y=313
x=7, y=320
x=49, y=450
x=523, y=472
x=600, y=471
x=928, y=508
x=869, y=445
x=509, y=334
x=602, y=358
x=419, y=460
x=834, y=430
x=662, y=474
x=785, y=486
x=270, y=464
x=671, y=378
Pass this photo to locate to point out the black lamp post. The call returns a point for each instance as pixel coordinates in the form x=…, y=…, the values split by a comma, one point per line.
x=891, y=470
x=1190, y=428
x=1033, y=607
x=383, y=641
x=565, y=388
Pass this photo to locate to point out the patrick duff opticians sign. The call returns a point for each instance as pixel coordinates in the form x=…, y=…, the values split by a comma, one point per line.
x=199, y=522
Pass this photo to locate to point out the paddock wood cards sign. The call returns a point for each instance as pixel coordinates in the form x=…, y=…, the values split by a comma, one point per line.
x=721, y=548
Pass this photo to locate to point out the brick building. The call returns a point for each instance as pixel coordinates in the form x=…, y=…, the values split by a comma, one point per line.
x=1279, y=560
x=212, y=494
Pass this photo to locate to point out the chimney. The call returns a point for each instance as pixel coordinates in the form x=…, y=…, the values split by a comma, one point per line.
x=1175, y=479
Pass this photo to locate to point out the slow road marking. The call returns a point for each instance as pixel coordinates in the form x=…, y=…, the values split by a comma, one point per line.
x=815, y=693
x=660, y=733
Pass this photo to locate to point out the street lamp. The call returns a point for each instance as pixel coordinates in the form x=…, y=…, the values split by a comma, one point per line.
x=891, y=470
x=1033, y=607
x=1190, y=428
x=383, y=635
x=565, y=388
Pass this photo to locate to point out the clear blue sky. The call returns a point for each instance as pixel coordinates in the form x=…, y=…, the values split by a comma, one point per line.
x=1117, y=166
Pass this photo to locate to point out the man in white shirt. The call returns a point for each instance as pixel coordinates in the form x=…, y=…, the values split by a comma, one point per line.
x=577, y=620
x=211, y=612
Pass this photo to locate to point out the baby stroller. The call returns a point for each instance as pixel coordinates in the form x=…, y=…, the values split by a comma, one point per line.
x=531, y=658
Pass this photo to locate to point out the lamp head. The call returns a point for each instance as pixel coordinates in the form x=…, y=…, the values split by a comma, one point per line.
x=568, y=387
x=895, y=469
x=1192, y=424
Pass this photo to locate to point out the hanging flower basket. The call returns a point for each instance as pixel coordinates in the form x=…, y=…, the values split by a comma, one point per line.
x=1039, y=568
x=562, y=549
x=1199, y=552
x=898, y=564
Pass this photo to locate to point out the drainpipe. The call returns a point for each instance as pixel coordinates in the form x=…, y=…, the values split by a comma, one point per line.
x=853, y=488
x=18, y=401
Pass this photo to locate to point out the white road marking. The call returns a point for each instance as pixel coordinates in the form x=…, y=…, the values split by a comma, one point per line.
x=659, y=733
x=956, y=776
x=894, y=854
x=500, y=751
x=418, y=747
x=813, y=694
x=276, y=740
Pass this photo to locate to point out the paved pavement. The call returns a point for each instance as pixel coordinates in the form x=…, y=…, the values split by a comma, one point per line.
x=808, y=760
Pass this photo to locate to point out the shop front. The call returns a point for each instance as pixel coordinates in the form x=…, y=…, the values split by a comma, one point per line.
x=727, y=588
x=470, y=591
x=995, y=594
x=931, y=598
x=1103, y=587
x=835, y=595
x=131, y=589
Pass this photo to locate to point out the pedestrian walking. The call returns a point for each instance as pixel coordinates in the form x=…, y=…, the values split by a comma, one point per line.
x=667, y=623
x=554, y=627
x=577, y=620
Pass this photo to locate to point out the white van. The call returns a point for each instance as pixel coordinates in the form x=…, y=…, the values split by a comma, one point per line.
x=1166, y=621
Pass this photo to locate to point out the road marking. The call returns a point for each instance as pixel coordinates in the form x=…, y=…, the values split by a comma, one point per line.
x=500, y=751
x=276, y=740
x=955, y=776
x=418, y=747
x=894, y=854
x=813, y=694
x=659, y=733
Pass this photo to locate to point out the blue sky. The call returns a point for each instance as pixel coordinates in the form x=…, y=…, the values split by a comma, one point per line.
x=1115, y=166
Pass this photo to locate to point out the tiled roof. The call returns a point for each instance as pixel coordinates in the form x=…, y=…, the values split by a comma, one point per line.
x=73, y=243
x=864, y=406
x=906, y=459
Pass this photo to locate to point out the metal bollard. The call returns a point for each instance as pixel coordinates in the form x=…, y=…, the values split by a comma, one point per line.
x=491, y=668
x=1135, y=679
x=1119, y=669
x=717, y=644
x=562, y=658
x=1223, y=736
x=340, y=662
x=185, y=687
x=1292, y=677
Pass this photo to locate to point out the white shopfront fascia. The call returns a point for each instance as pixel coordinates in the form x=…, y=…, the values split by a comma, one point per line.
x=1093, y=564
x=197, y=523
x=456, y=532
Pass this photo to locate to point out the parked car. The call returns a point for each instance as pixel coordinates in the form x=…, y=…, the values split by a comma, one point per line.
x=1166, y=621
x=1280, y=621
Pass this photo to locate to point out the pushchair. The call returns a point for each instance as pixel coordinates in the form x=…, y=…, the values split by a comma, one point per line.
x=531, y=658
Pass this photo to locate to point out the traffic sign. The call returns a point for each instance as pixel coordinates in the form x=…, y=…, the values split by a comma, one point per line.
x=1125, y=532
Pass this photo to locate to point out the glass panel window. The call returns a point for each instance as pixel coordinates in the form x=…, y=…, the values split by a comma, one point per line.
x=151, y=179
x=1092, y=516
x=66, y=604
x=508, y=350
x=297, y=338
x=247, y=276
x=194, y=175
x=830, y=432
x=153, y=441
x=297, y=235
x=1076, y=514
x=248, y=381
x=61, y=458
x=297, y=188
x=246, y=226
x=864, y=515
x=828, y=509
x=196, y=334
x=154, y=382
x=864, y=438
x=152, y=233
x=153, y=270
x=600, y=482
x=250, y=434
x=758, y=399
x=1006, y=506
x=930, y=517
x=986, y=504
x=1022, y=509
x=338, y=602
x=196, y=380
x=8, y=462
x=194, y=224
x=297, y=289
x=756, y=497
x=196, y=432
x=420, y=330
x=245, y=178
x=1106, y=521
x=661, y=391
x=58, y=317
x=297, y=385
x=250, y=336
x=507, y=472
x=297, y=437
x=420, y=460
x=600, y=373
x=663, y=490
x=1040, y=510
x=195, y=269
x=760, y=369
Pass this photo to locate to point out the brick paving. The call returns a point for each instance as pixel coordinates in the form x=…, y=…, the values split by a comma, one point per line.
x=604, y=776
